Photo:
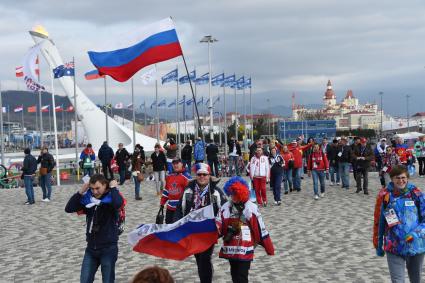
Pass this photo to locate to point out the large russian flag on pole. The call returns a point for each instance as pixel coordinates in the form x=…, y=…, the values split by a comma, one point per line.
x=194, y=233
x=154, y=43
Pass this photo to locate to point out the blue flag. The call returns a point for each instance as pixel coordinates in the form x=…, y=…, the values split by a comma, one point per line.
x=200, y=101
x=217, y=80
x=183, y=100
x=247, y=83
x=216, y=100
x=189, y=102
x=202, y=79
x=66, y=69
x=185, y=79
x=153, y=104
x=172, y=104
x=239, y=84
x=162, y=103
x=171, y=76
x=208, y=101
x=229, y=81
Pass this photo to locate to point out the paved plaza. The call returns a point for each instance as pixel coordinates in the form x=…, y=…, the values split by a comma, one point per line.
x=328, y=240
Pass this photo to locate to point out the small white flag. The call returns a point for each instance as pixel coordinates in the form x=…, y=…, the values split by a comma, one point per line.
x=149, y=76
x=119, y=105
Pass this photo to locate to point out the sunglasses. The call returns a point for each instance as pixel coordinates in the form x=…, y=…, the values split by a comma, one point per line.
x=202, y=174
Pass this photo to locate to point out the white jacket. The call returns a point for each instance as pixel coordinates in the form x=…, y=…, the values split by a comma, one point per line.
x=261, y=166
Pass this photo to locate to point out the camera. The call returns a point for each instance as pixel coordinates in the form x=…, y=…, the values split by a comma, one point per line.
x=231, y=231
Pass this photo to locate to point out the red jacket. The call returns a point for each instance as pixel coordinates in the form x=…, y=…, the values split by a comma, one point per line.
x=175, y=184
x=251, y=232
x=287, y=156
x=297, y=151
x=318, y=161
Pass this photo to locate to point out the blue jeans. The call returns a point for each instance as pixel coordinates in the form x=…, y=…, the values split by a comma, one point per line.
x=46, y=185
x=318, y=176
x=297, y=179
x=233, y=161
x=88, y=171
x=276, y=182
x=136, y=187
x=122, y=171
x=333, y=170
x=344, y=172
x=105, y=257
x=287, y=180
x=29, y=189
x=187, y=164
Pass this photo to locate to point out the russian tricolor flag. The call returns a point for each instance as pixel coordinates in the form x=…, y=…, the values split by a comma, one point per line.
x=154, y=43
x=192, y=234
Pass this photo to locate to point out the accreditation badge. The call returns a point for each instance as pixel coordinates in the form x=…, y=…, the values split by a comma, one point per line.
x=391, y=217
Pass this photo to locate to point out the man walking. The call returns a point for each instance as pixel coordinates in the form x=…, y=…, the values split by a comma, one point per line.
x=362, y=155
x=122, y=156
x=47, y=163
x=28, y=170
x=344, y=160
x=105, y=155
x=199, y=151
x=212, y=158
x=234, y=155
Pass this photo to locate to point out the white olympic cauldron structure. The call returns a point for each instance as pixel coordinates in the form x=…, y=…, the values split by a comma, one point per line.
x=92, y=118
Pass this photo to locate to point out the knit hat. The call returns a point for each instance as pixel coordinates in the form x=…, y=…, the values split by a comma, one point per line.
x=237, y=188
x=201, y=168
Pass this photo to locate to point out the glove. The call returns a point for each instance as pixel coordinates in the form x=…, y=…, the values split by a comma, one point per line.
x=380, y=252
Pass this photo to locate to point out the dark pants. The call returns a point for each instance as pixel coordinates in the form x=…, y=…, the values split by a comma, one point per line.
x=362, y=173
x=239, y=270
x=105, y=168
x=46, y=185
x=29, y=189
x=123, y=170
x=213, y=163
x=105, y=257
x=276, y=184
x=169, y=216
x=421, y=161
x=205, y=267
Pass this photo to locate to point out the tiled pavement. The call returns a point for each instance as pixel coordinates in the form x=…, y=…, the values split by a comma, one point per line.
x=328, y=240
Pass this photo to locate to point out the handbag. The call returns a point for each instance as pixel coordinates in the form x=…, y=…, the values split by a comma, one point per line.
x=140, y=177
x=160, y=216
x=43, y=171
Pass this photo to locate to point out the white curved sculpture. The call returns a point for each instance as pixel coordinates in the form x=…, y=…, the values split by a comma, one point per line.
x=89, y=114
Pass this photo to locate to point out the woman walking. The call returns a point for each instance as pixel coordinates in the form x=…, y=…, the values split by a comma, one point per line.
x=259, y=172
x=288, y=158
x=317, y=166
x=137, y=160
x=276, y=174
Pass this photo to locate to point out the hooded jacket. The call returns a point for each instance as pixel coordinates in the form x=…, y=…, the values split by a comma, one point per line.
x=410, y=210
x=199, y=151
x=105, y=154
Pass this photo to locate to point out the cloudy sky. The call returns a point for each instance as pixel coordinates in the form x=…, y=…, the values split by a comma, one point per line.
x=285, y=46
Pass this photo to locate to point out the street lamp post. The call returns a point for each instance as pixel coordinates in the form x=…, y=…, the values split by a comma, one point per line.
x=209, y=39
x=268, y=120
x=382, y=110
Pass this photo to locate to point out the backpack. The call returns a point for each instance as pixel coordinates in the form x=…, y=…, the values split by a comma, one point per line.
x=121, y=216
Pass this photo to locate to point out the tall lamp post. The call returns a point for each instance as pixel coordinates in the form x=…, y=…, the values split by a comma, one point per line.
x=407, y=112
x=209, y=39
x=382, y=110
x=268, y=120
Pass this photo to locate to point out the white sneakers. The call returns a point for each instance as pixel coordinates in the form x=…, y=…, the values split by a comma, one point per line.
x=46, y=200
x=322, y=195
x=332, y=184
x=316, y=197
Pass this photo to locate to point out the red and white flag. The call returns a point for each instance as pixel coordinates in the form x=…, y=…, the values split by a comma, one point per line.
x=119, y=105
x=58, y=108
x=19, y=71
x=70, y=108
x=45, y=108
x=18, y=109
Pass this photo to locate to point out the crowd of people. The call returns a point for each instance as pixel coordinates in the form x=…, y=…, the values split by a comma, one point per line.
x=183, y=188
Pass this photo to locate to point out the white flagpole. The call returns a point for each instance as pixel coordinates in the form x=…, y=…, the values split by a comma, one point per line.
x=134, y=113
x=184, y=115
x=250, y=111
x=56, y=133
x=157, y=112
x=236, y=117
x=1, y=128
x=106, y=111
x=225, y=120
x=177, y=113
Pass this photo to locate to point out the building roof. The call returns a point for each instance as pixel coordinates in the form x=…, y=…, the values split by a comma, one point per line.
x=419, y=114
x=329, y=94
x=349, y=94
x=358, y=112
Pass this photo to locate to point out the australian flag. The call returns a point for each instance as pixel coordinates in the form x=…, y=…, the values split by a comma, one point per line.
x=66, y=69
x=171, y=76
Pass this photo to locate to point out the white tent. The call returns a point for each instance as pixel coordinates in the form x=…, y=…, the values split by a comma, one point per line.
x=409, y=136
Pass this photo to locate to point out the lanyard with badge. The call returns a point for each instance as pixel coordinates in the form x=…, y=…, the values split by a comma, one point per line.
x=390, y=214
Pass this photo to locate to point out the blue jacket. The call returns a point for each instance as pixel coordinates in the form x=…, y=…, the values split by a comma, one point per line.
x=104, y=230
x=105, y=154
x=410, y=210
x=199, y=151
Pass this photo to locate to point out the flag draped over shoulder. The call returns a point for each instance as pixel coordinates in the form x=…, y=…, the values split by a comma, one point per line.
x=153, y=43
x=194, y=233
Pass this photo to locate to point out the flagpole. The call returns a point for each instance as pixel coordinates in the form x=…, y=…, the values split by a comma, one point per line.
x=144, y=106
x=184, y=115
x=63, y=121
x=23, y=127
x=225, y=120
x=194, y=98
x=156, y=109
x=40, y=104
x=195, y=122
x=76, y=123
x=236, y=117
x=134, y=113
x=56, y=134
x=177, y=112
x=250, y=111
x=106, y=111
x=50, y=127
x=244, y=114
x=1, y=128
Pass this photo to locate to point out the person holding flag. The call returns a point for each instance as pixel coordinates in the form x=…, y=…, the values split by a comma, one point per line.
x=200, y=193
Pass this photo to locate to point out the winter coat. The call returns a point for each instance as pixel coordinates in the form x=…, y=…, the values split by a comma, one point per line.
x=212, y=152
x=318, y=161
x=46, y=160
x=232, y=143
x=187, y=152
x=410, y=210
x=403, y=153
x=29, y=165
x=389, y=160
x=286, y=157
x=363, y=151
x=297, y=151
x=101, y=220
x=121, y=156
x=277, y=164
x=175, y=184
x=159, y=162
x=198, y=152
x=137, y=160
x=419, y=149
x=344, y=154
x=333, y=155
x=259, y=167
x=88, y=152
x=105, y=154
x=250, y=232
